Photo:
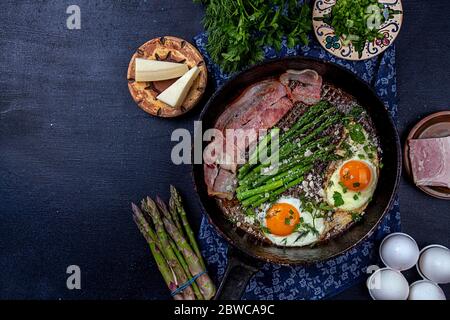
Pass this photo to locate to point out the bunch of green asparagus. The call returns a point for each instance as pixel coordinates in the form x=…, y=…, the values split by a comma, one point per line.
x=300, y=147
x=173, y=245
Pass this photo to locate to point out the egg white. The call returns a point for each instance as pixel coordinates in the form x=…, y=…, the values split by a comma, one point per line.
x=293, y=239
x=363, y=196
x=348, y=196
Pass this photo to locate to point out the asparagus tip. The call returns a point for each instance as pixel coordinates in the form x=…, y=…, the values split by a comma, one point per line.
x=160, y=202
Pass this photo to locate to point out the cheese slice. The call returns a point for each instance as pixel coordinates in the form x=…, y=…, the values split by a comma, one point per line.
x=175, y=94
x=152, y=70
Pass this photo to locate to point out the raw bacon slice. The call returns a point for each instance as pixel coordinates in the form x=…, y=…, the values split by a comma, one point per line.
x=302, y=86
x=239, y=112
x=224, y=183
x=210, y=172
x=430, y=161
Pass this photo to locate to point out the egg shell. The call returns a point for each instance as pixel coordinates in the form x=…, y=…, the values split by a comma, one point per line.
x=399, y=251
x=425, y=290
x=434, y=263
x=388, y=284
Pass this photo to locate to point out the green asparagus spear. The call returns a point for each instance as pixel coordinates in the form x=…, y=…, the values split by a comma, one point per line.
x=306, y=119
x=260, y=150
x=282, y=179
x=185, y=267
x=249, y=181
x=151, y=239
x=187, y=228
x=150, y=207
x=286, y=150
x=205, y=284
x=274, y=194
x=295, y=161
x=163, y=208
x=174, y=213
x=264, y=188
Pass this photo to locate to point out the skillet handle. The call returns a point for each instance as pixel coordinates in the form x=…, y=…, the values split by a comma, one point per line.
x=239, y=271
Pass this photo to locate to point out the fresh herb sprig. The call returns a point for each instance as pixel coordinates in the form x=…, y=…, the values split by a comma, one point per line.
x=239, y=29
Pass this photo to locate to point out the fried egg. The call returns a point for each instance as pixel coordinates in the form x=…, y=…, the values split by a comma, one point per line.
x=286, y=223
x=352, y=181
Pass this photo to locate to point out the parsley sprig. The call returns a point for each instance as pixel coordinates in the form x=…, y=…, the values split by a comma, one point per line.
x=239, y=29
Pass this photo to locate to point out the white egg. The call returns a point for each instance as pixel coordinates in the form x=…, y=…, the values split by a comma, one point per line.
x=434, y=263
x=388, y=284
x=425, y=290
x=297, y=238
x=399, y=251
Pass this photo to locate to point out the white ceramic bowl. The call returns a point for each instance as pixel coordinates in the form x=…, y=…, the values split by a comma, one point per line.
x=425, y=290
x=434, y=264
x=388, y=284
x=399, y=251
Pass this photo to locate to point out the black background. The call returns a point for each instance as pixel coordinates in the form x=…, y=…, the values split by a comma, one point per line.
x=75, y=150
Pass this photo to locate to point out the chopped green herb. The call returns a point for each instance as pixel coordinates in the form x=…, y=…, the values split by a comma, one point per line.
x=287, y=221
x=338, y=201
x=356, y=217
x=308, y=206
x=361, y=156
x=306, y=228
x=358, y=21
x=348, y=149
x=265, y=229
x=356, y=185
x=325, y=207
x=381, y=165
x=356, y=132
x=356, y=111
x=344, y=188
x=355, y=197
x=301, y=235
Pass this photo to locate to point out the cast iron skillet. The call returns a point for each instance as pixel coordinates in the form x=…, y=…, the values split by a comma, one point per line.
x=246, y=254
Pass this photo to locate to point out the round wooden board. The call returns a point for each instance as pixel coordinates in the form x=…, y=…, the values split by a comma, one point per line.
x=170, y=49
x=436, y=125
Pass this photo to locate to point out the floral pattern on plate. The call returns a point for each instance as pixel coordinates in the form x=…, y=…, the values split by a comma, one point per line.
x=335, y=44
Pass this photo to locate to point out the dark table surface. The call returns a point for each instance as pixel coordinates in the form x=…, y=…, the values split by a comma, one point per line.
x=75, y=150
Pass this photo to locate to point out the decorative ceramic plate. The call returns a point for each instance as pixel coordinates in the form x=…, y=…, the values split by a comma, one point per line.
x=335, y=45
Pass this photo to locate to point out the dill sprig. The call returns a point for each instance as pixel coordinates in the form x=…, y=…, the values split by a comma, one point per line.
x=238, y=30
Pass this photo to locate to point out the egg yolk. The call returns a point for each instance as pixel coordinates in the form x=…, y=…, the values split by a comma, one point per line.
x=355, y=175
x=282, y=218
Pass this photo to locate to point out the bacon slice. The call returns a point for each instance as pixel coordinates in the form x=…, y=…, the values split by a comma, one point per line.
x=239, y=112
x=430, y=161
x=302, y=86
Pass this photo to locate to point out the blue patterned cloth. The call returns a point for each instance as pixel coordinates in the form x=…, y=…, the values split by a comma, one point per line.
x=324, y=279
